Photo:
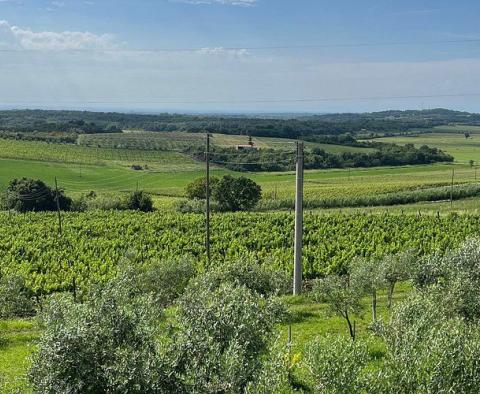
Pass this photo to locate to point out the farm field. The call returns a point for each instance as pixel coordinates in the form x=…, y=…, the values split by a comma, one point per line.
x=450, y=139
x=181, y=140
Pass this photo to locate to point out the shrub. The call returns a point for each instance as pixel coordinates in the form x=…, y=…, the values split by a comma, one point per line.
x=223, y=335
x=139, y=201
x=16, y=300
x=25, y=195
x=336, y=364
x=107, y=344
x=106, y=203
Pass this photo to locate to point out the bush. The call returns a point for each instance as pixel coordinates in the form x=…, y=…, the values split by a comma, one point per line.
x=105, y=203
x=108, y=344
x=336, y=364
x=25, y=195
x=139, y=201
x=16, y=300
x=223, y=335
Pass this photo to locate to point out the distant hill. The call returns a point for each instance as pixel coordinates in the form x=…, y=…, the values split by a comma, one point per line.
x=84, y=122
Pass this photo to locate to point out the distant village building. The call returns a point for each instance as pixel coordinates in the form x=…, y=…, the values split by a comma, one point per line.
x=246, y=147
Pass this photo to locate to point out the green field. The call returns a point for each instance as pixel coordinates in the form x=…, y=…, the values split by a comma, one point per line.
x=450, y=139
x=180, y=140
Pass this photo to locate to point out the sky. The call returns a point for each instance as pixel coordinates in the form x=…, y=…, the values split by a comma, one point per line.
x=239, y=56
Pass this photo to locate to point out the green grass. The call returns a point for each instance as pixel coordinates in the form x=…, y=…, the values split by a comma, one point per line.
x=19, y=337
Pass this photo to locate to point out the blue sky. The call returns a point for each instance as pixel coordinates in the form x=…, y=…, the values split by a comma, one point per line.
x=101, y=54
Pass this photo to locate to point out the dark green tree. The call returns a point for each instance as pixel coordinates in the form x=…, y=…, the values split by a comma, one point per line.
x=237, y=194
x=25, y=195
x=197, y=188
x=139, y=201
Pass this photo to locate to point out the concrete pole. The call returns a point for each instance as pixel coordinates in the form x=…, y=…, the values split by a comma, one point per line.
x=297, y=271
x=207, y=195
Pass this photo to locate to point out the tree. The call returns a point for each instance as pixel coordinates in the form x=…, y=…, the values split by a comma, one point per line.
x=198, y=188
x=237, y=194
x=221, y=337
x=107, y=344
x=139, y=201
x=25, y=195
x=342, y=298
x=397, y=268
x=367, y=277
x=472, y=163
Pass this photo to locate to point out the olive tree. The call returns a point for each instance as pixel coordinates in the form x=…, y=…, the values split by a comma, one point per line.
x=367, y=277
x=223, y=335
x=397, y=268
x=342, y=298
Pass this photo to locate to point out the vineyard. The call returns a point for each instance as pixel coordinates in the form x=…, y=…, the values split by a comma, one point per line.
x=93, y=243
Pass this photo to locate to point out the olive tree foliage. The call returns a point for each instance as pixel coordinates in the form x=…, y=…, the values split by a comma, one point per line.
x=222, y=336
x=165, y=281
x=397, y=268
x=336, y=364
x=432, y=339
x=105, y=345
x=342, y=298
x=430, y=348
x=367, y=277
x=16, y=299
x=218, y=338
x=248, y=272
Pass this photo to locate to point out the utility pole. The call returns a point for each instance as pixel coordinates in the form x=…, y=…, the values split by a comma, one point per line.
x=57, y=198
x=207, y=195
x=297, y=270
x=451, y=189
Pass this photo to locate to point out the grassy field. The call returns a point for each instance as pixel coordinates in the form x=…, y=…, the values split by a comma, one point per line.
x=102, y=163
x=319, y=184
x=451, y=139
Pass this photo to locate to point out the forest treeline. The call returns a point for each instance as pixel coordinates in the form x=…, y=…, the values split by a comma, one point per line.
x=316, y=158
x=82, y=122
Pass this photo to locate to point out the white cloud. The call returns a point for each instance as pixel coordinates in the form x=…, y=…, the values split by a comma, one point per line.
x=223, y=52
x=244, y=3
x=18, y=38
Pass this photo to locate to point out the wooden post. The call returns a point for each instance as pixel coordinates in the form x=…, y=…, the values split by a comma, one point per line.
x=57, y=198
x=451, y=189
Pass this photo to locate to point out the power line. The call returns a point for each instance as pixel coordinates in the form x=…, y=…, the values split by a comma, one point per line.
x=253, y=101
x=248, y=48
